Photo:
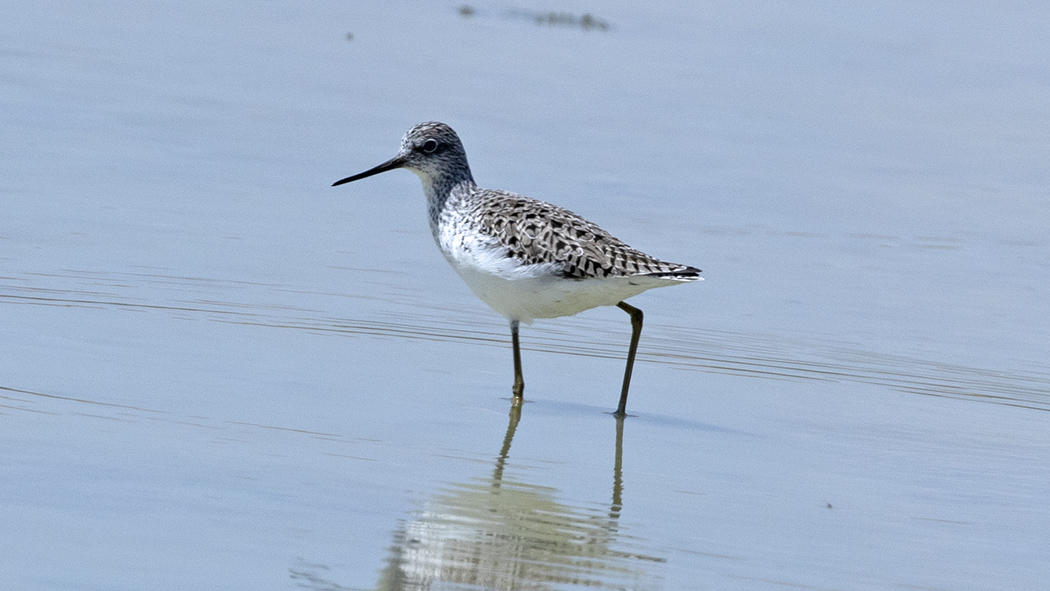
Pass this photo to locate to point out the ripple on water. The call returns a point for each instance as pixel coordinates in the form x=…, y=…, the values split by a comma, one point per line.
x=735, y=353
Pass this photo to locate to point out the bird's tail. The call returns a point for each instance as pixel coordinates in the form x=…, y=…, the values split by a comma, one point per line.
x=682, y=273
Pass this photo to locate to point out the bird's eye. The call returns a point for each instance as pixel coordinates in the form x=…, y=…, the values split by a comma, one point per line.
x=430, y=146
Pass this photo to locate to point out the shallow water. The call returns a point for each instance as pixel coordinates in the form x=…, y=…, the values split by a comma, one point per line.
x=218, y=372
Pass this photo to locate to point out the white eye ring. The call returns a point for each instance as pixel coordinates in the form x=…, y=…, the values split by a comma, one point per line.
x=430, y=146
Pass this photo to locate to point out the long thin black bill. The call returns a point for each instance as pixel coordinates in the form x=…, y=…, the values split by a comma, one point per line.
x=395, y=162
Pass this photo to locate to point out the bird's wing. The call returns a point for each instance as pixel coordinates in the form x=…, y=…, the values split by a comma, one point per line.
x=537, y=232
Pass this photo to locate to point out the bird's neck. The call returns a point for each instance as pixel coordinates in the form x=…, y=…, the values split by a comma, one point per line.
x=446, y=190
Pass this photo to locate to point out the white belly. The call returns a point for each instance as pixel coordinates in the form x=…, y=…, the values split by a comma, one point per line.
x=525, y=292
x=527, y=298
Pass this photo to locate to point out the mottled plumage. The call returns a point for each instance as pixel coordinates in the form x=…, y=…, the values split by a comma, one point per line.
x=525, y=258
x=538, y=232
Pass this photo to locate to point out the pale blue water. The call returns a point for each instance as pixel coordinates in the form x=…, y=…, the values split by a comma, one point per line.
x=217, y=372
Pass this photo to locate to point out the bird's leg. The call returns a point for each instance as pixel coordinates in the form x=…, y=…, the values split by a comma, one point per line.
x=636, y=333
x=519, y=382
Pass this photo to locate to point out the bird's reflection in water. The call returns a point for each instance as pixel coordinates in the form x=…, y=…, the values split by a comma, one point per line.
x=500, y=533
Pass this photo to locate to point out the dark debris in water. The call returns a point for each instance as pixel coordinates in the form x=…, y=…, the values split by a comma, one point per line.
x=586, y=21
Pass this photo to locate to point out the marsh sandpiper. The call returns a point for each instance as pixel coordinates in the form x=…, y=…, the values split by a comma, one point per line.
x=525, y=258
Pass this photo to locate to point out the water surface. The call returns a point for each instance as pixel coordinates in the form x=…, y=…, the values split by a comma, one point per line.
x=217, y=372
